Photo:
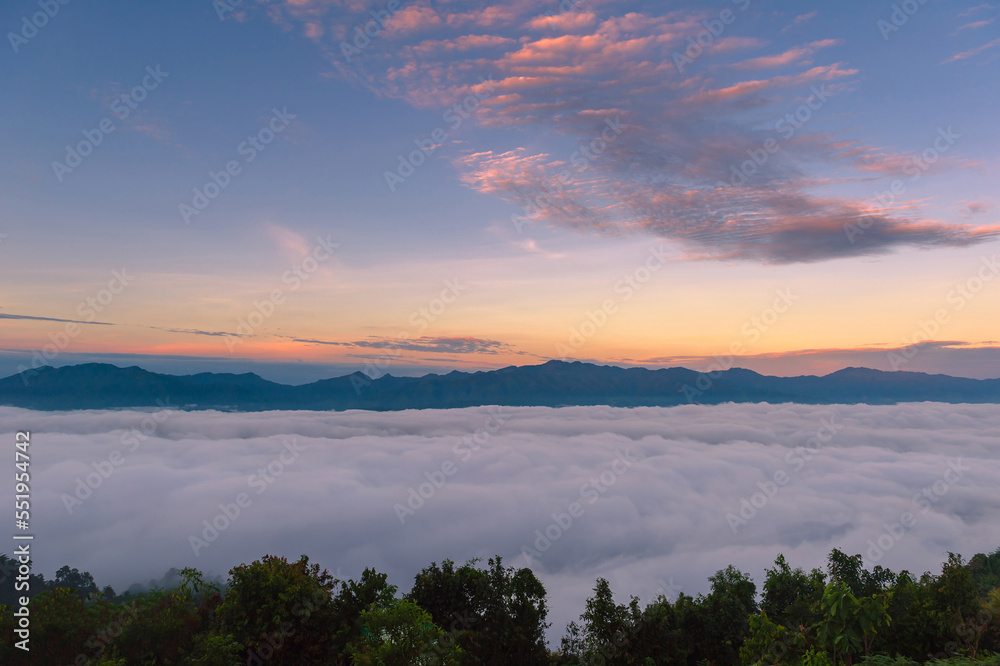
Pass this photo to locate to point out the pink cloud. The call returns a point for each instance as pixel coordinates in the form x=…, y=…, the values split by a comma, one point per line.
x=801, y=19
x=564, y=22
x=975, y=25
x=745, y=88
x=733, y=44
x=977, y=8
x=972, y=52
x=314, y=30
x=572, y=73
x=412, y=19
x=798, y=55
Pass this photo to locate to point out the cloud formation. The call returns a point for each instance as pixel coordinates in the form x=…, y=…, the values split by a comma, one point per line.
x=437, y=345
x=67, y=321
x=965, y=55
x=331, y=484
x=698, y=103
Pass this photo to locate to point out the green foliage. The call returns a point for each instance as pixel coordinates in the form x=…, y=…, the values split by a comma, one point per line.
x=850, y=570
x=985, y=570
x=882, y=660
x=280, y=611
x=353, y=599
x=816, y=658
x=64, y=626
x=608, y=628
x=769, y=643
x=81, y=583
x=848, y=625
x=401, y=634
x=789, y=595
x=212, y=649
x=498, y=613
x=725, y=614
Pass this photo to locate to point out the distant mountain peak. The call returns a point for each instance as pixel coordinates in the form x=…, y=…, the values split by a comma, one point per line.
x=552, y=383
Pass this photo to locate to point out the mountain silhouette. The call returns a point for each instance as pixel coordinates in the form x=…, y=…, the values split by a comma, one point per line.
x=555, y=383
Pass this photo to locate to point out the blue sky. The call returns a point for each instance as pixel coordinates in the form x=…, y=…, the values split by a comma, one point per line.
x=559, y=80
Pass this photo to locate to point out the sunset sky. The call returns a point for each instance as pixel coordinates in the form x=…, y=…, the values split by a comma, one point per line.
x=247, y=184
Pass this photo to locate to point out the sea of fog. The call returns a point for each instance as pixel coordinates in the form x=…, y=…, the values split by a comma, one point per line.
x=653, y=499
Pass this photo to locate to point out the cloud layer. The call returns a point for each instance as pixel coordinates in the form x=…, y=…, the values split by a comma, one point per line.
x=657, y=515
x=718, y=147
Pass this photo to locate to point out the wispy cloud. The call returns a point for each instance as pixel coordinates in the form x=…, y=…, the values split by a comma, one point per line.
x=194, y=331
x=801, y=19
x=965, y=55
x=67, y=321
x=799, y=55
x=975, y=25
x=438, y=345
x=976, y=207
x=978, y=8
x=688, y=127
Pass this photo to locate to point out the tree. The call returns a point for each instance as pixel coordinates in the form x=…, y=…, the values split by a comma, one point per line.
x=498, y=613
x=790, y=595
x=82, y=583
x=163, y=624
x=353, y=599
x=768, y=643
x=450, y=595
x=607, y=626
x=850, y=570
x=402, y=634
x=281, y=611
x=985, y=570
x=956, y=599
x=512, y=611
x=63, y=626
x=726, y=612
x=849, y=625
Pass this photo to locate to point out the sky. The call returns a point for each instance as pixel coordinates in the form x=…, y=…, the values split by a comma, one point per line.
x=664, y=497
x=309, y=187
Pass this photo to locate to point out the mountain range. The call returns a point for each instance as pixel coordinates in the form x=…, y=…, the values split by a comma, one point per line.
x=555, y=383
